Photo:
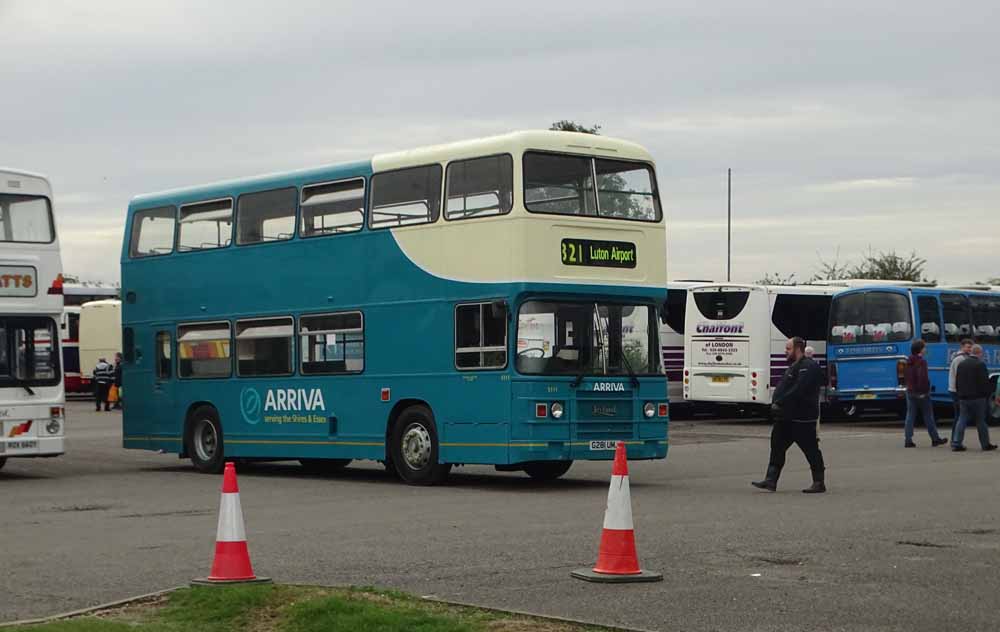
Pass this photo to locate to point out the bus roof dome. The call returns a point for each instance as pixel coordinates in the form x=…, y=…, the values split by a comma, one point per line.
x=569, y=142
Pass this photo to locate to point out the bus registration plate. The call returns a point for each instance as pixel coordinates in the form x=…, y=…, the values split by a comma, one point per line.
x=603, y=445
x=21, y=445
x=865, y=396
x=720, y=379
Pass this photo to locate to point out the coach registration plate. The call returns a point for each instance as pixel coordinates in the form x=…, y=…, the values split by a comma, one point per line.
x=21, y=445
x=865, y=396
x=603, y=445
x=720, y=379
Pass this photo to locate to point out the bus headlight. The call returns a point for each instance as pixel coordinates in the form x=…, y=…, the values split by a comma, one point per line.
x=557, y=410
x=53, y=427
x=649, y=409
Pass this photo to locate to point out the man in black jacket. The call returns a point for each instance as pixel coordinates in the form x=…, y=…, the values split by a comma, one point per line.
x=797, y=402
x=972, y=385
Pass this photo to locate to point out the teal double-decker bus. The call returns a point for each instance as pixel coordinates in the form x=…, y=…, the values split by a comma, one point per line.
x=492, y=301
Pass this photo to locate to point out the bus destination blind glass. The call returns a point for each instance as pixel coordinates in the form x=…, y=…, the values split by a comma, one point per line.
x=605, y=254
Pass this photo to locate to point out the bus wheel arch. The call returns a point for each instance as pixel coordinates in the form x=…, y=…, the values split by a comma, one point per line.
x=203, y=438
x=413, y=445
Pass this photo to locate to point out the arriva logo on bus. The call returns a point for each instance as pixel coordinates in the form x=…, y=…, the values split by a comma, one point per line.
x=712, y=328
x=283, y=406
x=609, y=387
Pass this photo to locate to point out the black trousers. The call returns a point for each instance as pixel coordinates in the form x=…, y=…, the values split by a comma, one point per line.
x=801, y=433
x=101, y=395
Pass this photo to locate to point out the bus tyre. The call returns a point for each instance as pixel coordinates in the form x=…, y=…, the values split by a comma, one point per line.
x=324, y=466
x=3, y=462
x=414, y=448
x=547, y=470
x=205, y=445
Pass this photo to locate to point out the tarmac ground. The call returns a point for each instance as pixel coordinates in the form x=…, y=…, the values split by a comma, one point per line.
x=906, y=539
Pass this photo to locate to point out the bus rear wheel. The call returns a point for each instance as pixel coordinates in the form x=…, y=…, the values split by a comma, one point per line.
x=205, y=445
x=547, y=470
x=324, y=466
x=414, y=448
x=3, y=462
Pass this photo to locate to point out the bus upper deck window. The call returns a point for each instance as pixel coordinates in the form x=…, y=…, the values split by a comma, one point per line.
x=205, y=225
x=406, y=197
x=331, y=208
x=479, y=187
x=152, y=232
x=559, y=184
x=266, y=216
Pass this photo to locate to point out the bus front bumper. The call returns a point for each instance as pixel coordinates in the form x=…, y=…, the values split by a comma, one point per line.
x=29, y=446
x=597, y=450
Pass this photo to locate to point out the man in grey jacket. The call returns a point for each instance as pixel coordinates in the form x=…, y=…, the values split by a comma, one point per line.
x=964, y=351
x=974, y=391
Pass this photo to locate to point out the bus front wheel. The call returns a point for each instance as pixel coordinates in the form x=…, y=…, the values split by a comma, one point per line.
x=414, y=448
x=205, y=446
x=547, y=470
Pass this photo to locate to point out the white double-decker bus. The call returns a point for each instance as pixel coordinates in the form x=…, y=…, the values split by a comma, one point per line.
x=735, y=334
x=31, y=307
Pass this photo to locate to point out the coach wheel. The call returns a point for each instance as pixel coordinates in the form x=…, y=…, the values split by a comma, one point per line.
x=205, y=446
x=324, y=466
x=3, y=462
x=547, y=470
x=850, y=411
x=414, y=448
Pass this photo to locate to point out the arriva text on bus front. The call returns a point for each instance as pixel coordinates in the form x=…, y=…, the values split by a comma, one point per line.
x=717, y=328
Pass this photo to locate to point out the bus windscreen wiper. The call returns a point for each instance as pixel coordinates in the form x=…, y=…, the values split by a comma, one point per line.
x=24, y=384
x=631, y=373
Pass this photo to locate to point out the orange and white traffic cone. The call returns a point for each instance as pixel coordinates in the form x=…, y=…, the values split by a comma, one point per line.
x=617, y=561
x=232, y=558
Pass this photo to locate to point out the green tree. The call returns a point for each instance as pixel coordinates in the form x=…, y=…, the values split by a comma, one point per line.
x=879, y=265
x=776, y=278
x=566, y=125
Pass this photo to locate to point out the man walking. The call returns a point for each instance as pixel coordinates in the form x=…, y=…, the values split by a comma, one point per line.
x=918, y=396
x=104, y=376
x=797, y=398
x=964, y=351
x=972, y=381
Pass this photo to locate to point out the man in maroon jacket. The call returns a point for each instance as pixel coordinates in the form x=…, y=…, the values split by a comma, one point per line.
x=918, y=396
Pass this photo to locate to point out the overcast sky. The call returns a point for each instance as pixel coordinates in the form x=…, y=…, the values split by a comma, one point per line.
x=845, y=126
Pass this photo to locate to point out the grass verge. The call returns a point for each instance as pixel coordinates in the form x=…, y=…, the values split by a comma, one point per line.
x=275, y=608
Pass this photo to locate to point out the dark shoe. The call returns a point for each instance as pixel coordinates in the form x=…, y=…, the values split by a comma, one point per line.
x=990, y=447
x=909, y=444
x=818, y=487
x=958, y=448
x=771, y=486
x=939, y=441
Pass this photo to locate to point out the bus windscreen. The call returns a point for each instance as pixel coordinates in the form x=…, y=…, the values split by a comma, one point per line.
x=867, y=317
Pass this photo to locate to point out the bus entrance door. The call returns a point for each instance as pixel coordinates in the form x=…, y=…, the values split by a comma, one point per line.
x=168, y=421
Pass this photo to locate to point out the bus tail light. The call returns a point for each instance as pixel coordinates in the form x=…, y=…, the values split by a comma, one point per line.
x=663, y=410
x=57, y=285
x=901, y=372
x=557, y=410
x=833, y=375
x=56, y=412
x=541, y=411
